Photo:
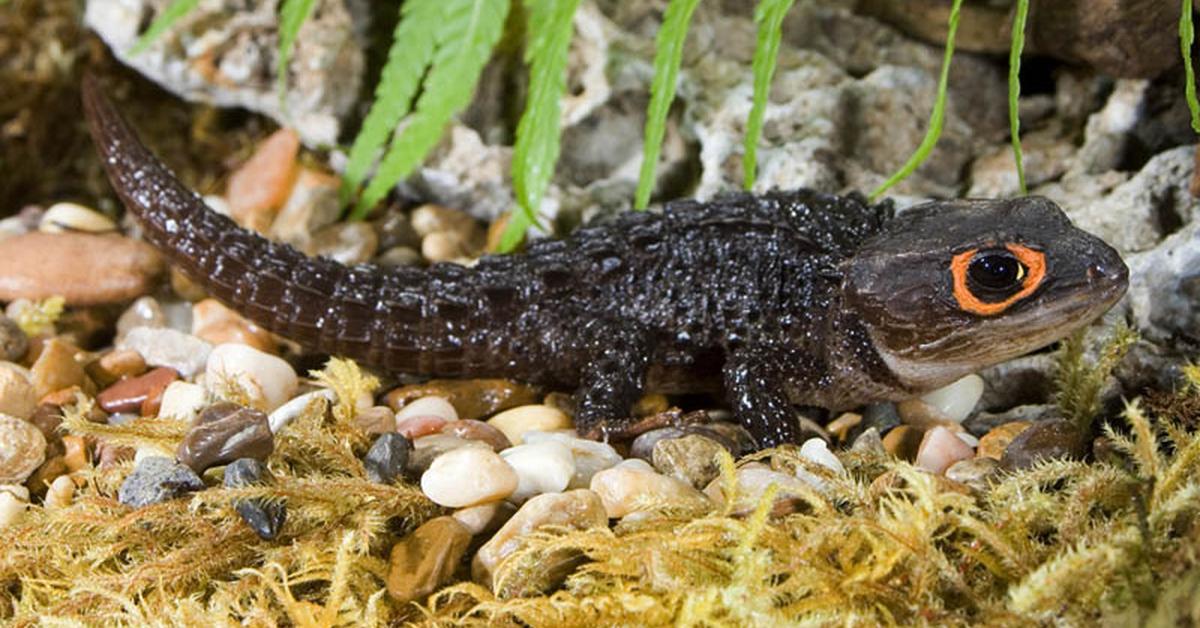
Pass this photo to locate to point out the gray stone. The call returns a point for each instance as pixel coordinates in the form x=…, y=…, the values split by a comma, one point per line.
x=387, y=457
x=185, y=353
x=1048, y=440
x=983, y=422
x=266, y=518
x=13, y=342
x=1164, y=287
x=157, y=479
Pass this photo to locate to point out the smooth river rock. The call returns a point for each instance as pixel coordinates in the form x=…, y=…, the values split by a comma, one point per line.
x=83, y=268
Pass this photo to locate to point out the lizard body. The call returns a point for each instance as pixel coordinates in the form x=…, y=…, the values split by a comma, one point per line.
x=784, y=298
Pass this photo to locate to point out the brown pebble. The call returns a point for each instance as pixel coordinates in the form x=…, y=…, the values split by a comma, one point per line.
x=50, y=470
x=471, y=398
x=223, y=433
x=478, y=430
x=128, y=395
x=111, y=455
x=83, y=268
x=426, y=559
x=1045, y=440
x=61, y=397
x=259, y=187
x=75, y=454
x=893, y=481
x=56, y=368
x=47, y=418
x=116, y=365
x=217, y=324
x=993, y=444
x=376, y=420
x=903, y=442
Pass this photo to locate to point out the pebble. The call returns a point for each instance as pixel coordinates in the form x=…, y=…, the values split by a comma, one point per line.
x=1047, y=440
x=471, y=398
x=468, y=476
x=375, y=420
x=431, y=218
x=312, y=203
x=56, y=368
x=957, y=400
x=259, y=187
x=734, y=437
x=628, y=489
x=941, y=448
x=386, y=459
x=817, y=450
x=22, y=449
x=60, y=494
x=993, y=444
x=691, y=458
x=431, y=406
x=477, y=430
x=881, y=416
x=485, y=518
x=75, y=452
x=752, y=482
x=903, y=442
x=642, y=447
x=12, y=505
x=161, y=346
x=129, y=395
x=223, y=433
x=579, y=509
x=427, y=449
x=417, y=425
x=62, y=217
x=590, y=456
x=444, y=246
x=284, y=414
x=545, y=467
x=425, y=560
x=143, y=312
x=17, y=396
x=869, y=443
x=269, y=381
x=182, y=401
x=39, y=481
x=516, y=421
x=398, y=256
x=974, y=472
x=347, y=243
x=116, y=365
x=13, y=341
x=83, y=268
x=214, y=323
x=157, y=479
x=111, y=455
x=265, y=517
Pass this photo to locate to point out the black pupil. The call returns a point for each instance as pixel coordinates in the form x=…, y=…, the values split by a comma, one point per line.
x=996, y=270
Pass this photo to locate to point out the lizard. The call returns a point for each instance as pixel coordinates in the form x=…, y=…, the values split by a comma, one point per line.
x=778, y=299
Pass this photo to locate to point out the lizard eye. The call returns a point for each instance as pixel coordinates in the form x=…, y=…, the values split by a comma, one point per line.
x=987, y=281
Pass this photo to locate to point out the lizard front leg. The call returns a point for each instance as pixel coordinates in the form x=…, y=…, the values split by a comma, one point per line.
x=613, y=377
x=756, y=392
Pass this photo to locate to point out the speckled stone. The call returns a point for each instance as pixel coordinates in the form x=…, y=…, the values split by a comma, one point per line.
x=993, y=444
x=692, y=459
x=425, y=560
x=386, y=459
x=156, y=479
x=266, y=518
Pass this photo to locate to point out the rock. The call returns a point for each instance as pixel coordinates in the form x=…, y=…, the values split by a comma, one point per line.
x=628, y=489
x=1133, y=38
x=284, y=414
x=348, y=243
x=216, y=324
x=974, y=472
x=129, y=395
x=13, y=342
x=398, y=256
x=465, y=172
x=111, y=455
x=63, y=217
x=416, y=426
x=266, y=379
x=468, y=476
x=515, y=422
x=817, y=450
x=692, y=459
x=17, y=396
x=444, y=246
x=1048, y=440
x=643, y=446
x=903, y=442
x=869, y=442
x=75, y=453
x=752, y=482
x=427, y=406
x=311, y=204
x=1044, y=156
x=955, y=401
x=426, y=560
x=60, y=494
x=182, y=401
x=376, y=420
x=12, y=505
x=471, y=398
x=1164, y=287
x=732, y=436
x=39, y=481
x=185, y=353
x=223, y=433
x=143, y=312
x=840, y=427
x=258, y=188
x=386, y=459
x=429, y=218
x=116, y=365
x=939, y=449
x=984, y=422
x=83, y=268
x=993, y=444
x=156, y=479
x=477, y=430
x=426, y=449
x=56, y=368
x=545, y=467
x=226, y=56
x=22, y=449
x=265, y=517
x=578, y=509
x=590, y=456
x=485, y=518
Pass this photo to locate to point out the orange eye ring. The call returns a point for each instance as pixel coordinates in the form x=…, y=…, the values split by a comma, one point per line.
x=1034, y=261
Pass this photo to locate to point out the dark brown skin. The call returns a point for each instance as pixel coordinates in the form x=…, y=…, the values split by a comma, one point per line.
x=785, y=298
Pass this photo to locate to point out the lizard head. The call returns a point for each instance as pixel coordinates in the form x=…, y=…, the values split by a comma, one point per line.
x=950, y=287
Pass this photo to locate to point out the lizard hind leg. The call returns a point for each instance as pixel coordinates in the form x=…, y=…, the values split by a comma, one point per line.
x=613, y=377
x=759, y=403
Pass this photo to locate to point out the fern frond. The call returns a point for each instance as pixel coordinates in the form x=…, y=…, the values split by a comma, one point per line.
x=668, y=54
x=411, y=52
x=292, y=15
x=1014, y=87
x=537, y=145
x=165, y=20
x=937, y=118
x=1187, y=34
x=465, y=38
x=769, y=16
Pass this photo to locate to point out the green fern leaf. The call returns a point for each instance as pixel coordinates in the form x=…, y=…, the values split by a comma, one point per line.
x=162, y=23
x=292, y=15
x=465, y=37
x=408, y=58
x=936, y=118
x=537, y=145
x=769, y=16
x=1187, y=34
x=1014, y=87
x=668, y=54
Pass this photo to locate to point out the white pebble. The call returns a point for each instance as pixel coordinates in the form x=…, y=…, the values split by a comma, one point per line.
x=62, y=217
x=17, y=397
x=284, y=414
x=12, y=509
x=515, y=422
x=428, y=406
x=480, y=518
x=545, y=467
x=468, y=476
x=161, y=346
x=817, y=450
x=626, y=489
x=590, y=456
x=267, y=379
x=957, y=400
x=61, y=493
x=152, y=451
x=183, y=401
x=939, y=449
